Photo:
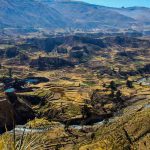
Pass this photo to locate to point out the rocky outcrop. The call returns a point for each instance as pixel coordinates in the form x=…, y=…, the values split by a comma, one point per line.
x=47, y=44
x=44, y=63
x=13, y=111
x=6, y=115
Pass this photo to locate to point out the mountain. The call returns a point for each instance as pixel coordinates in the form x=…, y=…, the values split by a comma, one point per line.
x=27, y=13
x=140, y=14
x=91, y=16
x=64, y=14
x=88, y=16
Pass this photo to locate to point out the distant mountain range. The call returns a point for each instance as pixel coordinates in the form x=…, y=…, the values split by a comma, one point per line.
x=67, y=14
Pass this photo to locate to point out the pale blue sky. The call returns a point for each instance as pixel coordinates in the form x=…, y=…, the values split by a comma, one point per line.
x=120, y=3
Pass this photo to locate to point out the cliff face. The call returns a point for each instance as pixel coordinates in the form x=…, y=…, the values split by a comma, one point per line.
x=6, y=115
x=13, y=111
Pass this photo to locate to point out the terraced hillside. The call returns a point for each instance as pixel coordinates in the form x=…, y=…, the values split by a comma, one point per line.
x=80, y=92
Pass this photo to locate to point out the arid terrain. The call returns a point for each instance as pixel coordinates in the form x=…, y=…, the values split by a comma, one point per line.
x=74, y=75
x=87, y=91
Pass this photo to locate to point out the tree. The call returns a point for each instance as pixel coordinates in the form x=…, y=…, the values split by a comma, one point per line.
x=104, y=85
x=85, y=112
x=10, y=72
x=93, y=136
x=112, y=94
x=129, y=84
x=119, y=96
x=113, y=86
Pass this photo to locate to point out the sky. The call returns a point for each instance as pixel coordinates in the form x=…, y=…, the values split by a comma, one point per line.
x=120, y=3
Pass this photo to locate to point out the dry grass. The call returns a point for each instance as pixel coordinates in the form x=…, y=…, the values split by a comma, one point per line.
x=21, y=142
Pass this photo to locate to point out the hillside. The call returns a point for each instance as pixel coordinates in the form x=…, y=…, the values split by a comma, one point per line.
x=56, y=14
x=140, y=14
x=29, y=14
x=74, y=76
x=87, y=16
x=75, y=92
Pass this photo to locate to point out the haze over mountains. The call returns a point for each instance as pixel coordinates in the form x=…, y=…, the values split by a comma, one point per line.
x=66, y=14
